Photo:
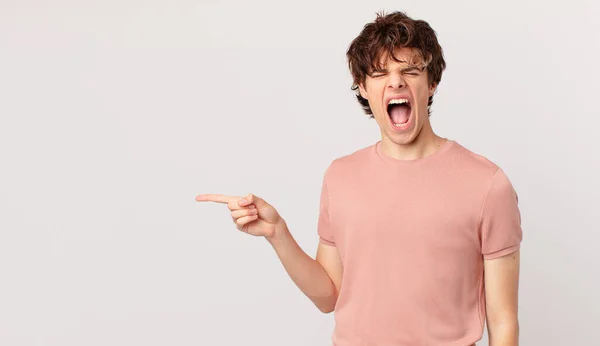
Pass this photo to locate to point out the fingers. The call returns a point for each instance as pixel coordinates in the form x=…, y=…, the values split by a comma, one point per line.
x=235, y=205
x=248, y=199
x=210, y=197
x=252, y=199
x=241, y=217
x=233, y=202
x=243, y=209
x=243, y=212
x=242, y=221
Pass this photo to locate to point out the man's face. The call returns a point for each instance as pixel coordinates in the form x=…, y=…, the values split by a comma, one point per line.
x=396, y=81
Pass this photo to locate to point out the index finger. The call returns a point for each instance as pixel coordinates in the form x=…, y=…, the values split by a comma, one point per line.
x=212, y=197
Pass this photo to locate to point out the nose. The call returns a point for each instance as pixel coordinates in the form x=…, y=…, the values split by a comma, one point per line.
x=396, y=81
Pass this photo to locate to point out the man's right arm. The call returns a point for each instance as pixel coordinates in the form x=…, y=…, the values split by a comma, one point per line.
x=319, y=279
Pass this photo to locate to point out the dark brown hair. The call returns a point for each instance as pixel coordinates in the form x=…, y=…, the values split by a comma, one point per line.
x=383, y=36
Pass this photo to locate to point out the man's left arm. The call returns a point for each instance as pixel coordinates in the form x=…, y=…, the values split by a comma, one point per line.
x=501, y=284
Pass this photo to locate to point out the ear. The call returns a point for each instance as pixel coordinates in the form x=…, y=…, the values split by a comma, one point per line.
x=363, y=91
x=432, y=89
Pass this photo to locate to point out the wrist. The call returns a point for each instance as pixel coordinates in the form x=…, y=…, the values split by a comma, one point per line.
x=280, y=230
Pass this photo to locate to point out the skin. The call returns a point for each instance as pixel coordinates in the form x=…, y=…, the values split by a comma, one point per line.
x=501, y=281
x=419, y=140
x=320, y=278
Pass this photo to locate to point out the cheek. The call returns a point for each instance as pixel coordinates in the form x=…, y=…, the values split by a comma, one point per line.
x=423, y=95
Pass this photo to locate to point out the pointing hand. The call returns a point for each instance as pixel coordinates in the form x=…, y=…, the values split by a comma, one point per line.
x=251, y=214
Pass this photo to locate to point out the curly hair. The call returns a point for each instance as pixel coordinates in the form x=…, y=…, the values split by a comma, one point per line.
x=382, y=36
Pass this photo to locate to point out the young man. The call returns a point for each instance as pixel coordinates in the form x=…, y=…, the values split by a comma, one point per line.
x=419, y=237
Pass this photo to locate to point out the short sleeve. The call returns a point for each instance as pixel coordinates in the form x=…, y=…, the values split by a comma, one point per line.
x=500, y=220
x=324, y=226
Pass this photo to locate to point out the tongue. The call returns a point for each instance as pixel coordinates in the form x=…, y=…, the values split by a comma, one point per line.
x=399, y=114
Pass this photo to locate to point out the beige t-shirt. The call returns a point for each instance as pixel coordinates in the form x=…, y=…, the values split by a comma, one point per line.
x=412, y=236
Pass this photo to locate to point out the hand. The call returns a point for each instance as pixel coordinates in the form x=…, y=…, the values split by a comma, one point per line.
x=251, y=214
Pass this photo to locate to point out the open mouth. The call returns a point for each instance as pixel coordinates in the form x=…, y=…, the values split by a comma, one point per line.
x=399, y=112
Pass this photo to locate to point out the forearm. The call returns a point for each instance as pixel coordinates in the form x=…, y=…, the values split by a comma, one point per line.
x=307, y=273
x=506, y=334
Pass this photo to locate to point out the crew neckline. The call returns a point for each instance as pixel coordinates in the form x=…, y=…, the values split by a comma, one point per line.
x=431, y=157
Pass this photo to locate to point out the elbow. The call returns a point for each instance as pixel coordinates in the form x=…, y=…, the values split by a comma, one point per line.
x=326, y=305
x=327, y=299
x=326, y=309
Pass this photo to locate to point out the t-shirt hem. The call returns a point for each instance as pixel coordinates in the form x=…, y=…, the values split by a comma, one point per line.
x=326, y=242
x=502, y=252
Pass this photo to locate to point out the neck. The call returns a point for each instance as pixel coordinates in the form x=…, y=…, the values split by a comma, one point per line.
x=425, y=144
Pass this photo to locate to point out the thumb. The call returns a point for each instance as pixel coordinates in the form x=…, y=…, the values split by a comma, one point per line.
x=253, y=199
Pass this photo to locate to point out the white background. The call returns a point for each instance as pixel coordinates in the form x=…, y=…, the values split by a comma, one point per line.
x=116, y=114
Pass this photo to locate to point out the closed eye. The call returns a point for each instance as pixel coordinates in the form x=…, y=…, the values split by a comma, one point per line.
x=378, y=73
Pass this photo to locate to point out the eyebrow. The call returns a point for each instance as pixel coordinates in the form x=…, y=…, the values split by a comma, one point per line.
x=411, y=68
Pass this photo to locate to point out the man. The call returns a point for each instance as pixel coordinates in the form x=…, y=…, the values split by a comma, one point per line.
x=419, y=237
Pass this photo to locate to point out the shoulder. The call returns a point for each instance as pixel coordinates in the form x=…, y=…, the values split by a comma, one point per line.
x=348, y=163
x=484, y=173
x=473, y=160
x=475, y=164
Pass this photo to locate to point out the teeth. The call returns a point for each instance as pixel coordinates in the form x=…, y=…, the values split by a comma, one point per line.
x=397, y=101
